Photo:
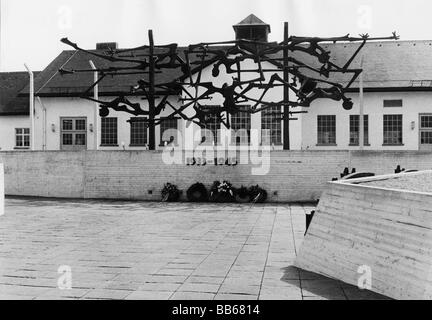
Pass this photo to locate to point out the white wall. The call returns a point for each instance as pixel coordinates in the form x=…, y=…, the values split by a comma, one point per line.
x=273, y=95
x=303, y=132
x=413, y=104
x=7, y=130
x=77, y=107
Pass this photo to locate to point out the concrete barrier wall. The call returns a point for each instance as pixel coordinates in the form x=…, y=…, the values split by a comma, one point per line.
x=44, y=174
x=359, y=228
x=292, y=175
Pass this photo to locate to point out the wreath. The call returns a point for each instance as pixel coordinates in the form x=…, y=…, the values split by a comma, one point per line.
x=170, y=193
x=222, y=192
x=257, y=194
x=242, y=194
x=197, y=193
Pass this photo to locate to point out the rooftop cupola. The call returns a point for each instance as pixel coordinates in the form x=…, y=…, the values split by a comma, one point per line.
x=252, y=28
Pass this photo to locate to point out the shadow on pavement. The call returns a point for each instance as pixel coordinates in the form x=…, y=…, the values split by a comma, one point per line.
x=316, y=286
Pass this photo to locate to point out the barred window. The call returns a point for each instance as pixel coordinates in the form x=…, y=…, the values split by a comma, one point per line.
x=271, y=125
x=355, y=129
x=109, y=132
x=138, y=131
x=392, y=129
x=168, y=131
x=240, y=127
x=22, y=137
x=327, y=130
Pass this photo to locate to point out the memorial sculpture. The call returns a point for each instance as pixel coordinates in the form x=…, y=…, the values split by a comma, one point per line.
x=309, y=78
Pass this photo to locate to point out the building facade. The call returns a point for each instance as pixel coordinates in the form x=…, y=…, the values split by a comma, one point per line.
x=397, y=107
x=14, y=112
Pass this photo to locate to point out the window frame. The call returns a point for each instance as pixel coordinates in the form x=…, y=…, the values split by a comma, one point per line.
x=236, y=119
x=384, y=130
x=424, y=129
x=162, y=129
x=365, y=126
x=22, y=135
x=272, y=120
x=133, y=134
x=214, y=127
x=392, y=103
x=333, y=119
x=105, y=144
x=74, y=131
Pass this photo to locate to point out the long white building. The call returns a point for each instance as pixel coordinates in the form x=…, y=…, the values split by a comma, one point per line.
x=397, y=106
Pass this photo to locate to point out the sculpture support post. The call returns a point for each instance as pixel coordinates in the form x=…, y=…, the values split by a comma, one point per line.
x=151, y=98
x=31, y=104
x=286, y=115
x=96, y=108
x=361, y=116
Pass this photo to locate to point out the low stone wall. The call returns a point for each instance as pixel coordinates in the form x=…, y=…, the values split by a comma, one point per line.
x=361, y=230
x=140, y=175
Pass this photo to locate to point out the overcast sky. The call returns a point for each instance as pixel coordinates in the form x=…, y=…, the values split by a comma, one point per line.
x=31, y=30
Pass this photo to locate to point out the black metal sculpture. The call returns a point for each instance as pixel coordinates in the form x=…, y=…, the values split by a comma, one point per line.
x=307, y=80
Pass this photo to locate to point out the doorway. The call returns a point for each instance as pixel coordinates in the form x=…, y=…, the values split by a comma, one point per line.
x=73, y=133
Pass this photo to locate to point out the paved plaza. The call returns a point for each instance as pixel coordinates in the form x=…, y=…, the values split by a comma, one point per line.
x=142, y=250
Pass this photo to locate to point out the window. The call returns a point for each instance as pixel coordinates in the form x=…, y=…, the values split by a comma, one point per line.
x=355, y=129
x=138, y=131
x=211, y=131
x=212, y=126
x=271, y=125
x=109, y=132
x=426, y=122
x=327, y=130
x=73, y=133
x=425, y=131
x=240, y=127
x=251, y=33
x=168, y=131
x=392, y=129
x=392, y=103
x=22, y=137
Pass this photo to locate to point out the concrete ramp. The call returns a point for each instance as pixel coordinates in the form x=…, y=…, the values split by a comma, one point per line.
x=376, y=232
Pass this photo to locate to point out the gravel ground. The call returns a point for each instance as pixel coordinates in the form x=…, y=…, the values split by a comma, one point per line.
x=420, y=183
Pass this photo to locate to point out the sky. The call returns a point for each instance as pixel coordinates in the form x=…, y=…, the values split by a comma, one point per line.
x=31, y=30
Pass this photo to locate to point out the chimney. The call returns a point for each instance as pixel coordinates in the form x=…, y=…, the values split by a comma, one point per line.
x=106, y=45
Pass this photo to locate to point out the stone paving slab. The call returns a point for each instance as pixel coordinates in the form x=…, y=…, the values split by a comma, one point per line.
x=145, y=250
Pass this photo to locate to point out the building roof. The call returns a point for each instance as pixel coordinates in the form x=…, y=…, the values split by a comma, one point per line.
x=251, y=20
x=11, y=83
x=51, y=82
x=388, y=66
